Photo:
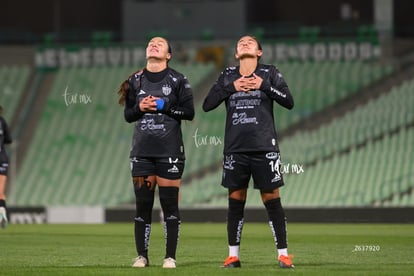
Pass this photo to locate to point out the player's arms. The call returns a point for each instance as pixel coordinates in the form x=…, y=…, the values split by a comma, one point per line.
x=132, y=111
x=218, y=93
x=276, y=88
x=6, y=132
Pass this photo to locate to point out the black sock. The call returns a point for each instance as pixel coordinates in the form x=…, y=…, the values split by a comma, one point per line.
x=143, y=219
x=172, y=222
x=235, y=220
x=2, y=203
x=172, y=232
x=142, y=235
x=277, y=221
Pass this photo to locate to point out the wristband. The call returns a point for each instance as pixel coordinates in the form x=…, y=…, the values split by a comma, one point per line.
x=160, y=104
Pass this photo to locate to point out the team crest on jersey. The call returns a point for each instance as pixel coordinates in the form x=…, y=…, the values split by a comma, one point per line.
x=166, y=89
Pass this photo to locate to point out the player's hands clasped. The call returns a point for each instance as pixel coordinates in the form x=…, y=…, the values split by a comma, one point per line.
x=148, y=104
x=247, y=84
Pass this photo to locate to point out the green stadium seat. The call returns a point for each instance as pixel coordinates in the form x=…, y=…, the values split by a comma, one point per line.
x=13, y=80
x=79, y=153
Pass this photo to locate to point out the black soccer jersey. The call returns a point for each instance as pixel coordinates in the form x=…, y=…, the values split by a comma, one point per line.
x=5, y=138
x=250, y=125
x=159, y=134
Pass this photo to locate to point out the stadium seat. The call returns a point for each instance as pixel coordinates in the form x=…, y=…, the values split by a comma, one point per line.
x=363, y=176
x=79, y=153
x=13, y=80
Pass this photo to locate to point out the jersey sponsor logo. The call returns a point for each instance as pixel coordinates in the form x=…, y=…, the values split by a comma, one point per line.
x=245, y=103
x=228, y=162
x=149, y=124
x=166, y=89
x=253, y=93
x=242, y=119
x=242, y=100
x=272, y=155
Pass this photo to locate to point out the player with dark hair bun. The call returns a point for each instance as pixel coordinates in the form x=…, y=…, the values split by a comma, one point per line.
x=250, y=144
x=156, y=99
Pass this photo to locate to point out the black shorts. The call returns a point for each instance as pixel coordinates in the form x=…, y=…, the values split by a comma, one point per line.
x=264, y=167
x=4, y=168
x=169, y=168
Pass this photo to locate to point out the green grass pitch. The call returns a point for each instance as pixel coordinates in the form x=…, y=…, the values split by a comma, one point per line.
x=319, y=249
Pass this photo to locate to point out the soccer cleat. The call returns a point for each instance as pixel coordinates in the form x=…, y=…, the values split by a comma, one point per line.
x=3, y=217
x=169, y=263
x=231, y=261
x=286, y=261
x=140, y=261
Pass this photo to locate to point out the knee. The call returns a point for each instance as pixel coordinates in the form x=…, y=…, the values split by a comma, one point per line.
x=169, y=201
x=240, y=194
x=236, y=207
x=144, y=199
x=274, y=206
x=144, y=181
x=143, y=187
x=270, y=195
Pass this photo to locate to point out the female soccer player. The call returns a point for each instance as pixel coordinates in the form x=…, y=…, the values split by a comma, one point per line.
x=250, y=144
x=156, y=99
x=5, y=138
